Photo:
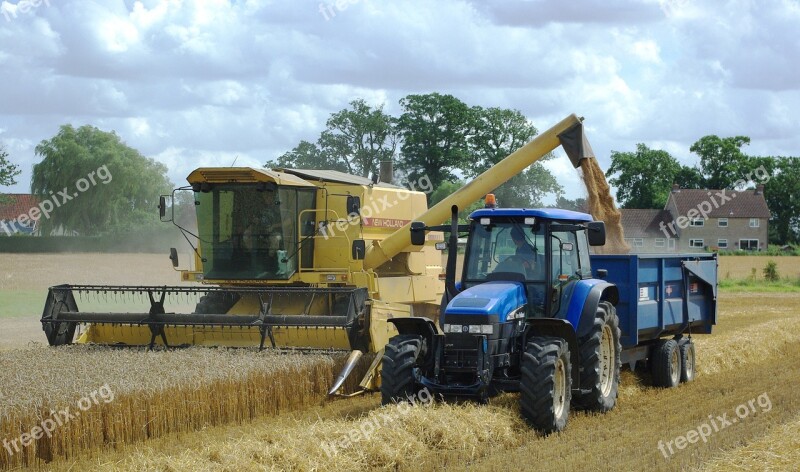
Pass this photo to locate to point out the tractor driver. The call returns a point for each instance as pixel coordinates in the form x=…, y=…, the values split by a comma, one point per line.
x=264, y=230
x=524, y=252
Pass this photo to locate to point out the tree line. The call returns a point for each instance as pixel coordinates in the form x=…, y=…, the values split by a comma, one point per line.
x=436, y=135
x=644, y=178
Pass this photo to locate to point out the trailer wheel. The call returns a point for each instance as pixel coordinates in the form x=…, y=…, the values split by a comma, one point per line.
x=546, y=384
x=397, y=370
x=687, y=361
x=601, y=361
x=666, y=363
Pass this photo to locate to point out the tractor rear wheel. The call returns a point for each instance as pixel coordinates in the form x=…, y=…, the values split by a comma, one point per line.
x=601, y=361
x=546, y=384
x=397, y=372
x=687, y=360
x=666, y=363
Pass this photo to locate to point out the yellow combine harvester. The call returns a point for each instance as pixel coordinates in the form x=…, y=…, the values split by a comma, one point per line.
x=297, y=258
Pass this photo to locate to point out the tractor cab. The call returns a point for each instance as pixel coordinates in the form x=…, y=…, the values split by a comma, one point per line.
x=542, y=249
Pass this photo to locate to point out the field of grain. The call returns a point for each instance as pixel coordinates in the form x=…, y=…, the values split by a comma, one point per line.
x=741, y=267
x=752, y=354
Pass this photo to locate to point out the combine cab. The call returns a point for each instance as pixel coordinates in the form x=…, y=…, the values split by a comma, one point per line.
x=289, y=258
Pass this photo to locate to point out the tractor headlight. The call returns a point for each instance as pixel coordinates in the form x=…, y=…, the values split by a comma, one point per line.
x=452, y=328
x=471, y=329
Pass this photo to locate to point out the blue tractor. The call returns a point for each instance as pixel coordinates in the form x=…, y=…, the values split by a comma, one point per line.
x=535, y=313
x=528, y=315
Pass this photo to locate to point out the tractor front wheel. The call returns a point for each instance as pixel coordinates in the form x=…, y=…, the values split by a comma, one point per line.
x=546, y=384
x=397, y=372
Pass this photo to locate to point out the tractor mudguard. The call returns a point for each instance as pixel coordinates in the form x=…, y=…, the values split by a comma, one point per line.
x=416, y=325
x=587, y=296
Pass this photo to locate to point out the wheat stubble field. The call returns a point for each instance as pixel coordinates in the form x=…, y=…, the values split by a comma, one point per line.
x=286, y=425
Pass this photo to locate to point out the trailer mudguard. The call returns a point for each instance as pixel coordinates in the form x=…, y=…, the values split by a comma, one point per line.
x=586, y=296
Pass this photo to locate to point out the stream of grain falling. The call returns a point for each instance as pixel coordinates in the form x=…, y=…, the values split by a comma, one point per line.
x=602, y=208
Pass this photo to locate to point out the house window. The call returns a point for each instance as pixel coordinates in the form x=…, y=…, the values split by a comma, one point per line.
x=635, y=242
x=754, y=223
x=748, y=244
x=698, y=222
x=722, y=222
x=660, y=242
x=722, y=243
x=696, y=243
x=671, y=243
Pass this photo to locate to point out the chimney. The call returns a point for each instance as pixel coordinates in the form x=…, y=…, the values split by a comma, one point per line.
x=676, y=188
x=759, y=189
x=387, y=172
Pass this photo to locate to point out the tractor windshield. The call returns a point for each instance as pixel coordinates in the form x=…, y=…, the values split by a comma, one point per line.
x=248, y=232
x=509, y=251
x=506, y=248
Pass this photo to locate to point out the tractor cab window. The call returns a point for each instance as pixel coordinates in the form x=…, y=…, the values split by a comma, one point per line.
x=509, y=251
x=248, y=232
x=564, y=255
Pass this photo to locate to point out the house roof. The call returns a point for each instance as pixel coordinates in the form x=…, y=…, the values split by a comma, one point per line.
x=644, y=223
x=744, y=204
x=18, y=204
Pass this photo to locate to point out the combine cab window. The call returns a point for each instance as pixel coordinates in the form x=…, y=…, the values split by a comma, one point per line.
x=246, y=233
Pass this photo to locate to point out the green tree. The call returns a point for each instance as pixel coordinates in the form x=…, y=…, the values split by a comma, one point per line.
x=307, y=155
x=722, y=161
x=579, y=204
x=644, y=178
x=354, y=141
x=782, y=192
x=8, y=172
x=447, y=188
x=435, y=129
x=125, y=191
x=497, y=133
x=689, y=177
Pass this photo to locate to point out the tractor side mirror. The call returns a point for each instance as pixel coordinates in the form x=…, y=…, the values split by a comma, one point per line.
x=173, y=256
x=353, y=205
x=417, y=233
x=359, y=249
x=162, y=207
x=596, y=233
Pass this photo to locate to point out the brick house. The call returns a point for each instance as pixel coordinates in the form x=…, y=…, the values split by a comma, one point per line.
x=700, y=220
x=643, y=231
x=10, y=211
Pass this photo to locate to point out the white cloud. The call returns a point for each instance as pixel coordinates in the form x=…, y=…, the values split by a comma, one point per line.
x=195, y=82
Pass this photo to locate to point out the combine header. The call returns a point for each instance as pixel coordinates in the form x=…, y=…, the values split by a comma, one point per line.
x=290, y=258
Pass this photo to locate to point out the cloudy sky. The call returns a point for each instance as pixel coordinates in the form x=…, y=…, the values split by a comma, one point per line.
x=193, y=83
